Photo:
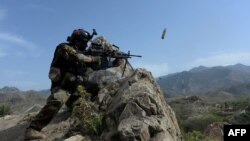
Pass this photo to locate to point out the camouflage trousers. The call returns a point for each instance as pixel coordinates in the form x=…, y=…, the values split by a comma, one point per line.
x=53, y=105
x=56, y=100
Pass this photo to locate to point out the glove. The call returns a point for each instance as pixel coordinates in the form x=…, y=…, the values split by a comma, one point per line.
x=117, y=62
x=96, y=59
x=54, y=74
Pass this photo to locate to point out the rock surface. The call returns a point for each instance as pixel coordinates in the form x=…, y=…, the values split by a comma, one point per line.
x=215, y=130
x=131, y=107
x=136, y=110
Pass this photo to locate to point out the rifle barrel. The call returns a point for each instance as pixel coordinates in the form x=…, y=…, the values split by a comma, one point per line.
x=135, y=55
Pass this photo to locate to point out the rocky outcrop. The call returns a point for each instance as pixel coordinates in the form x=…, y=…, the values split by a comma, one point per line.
x=135, y=109
x=215, y=130
x=127, y=108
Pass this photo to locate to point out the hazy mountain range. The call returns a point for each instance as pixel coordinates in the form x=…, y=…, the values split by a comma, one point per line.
x=22, y=101
x=220, y=80
x=233, y=79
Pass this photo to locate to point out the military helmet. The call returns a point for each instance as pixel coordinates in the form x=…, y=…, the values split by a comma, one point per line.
x=79, y=35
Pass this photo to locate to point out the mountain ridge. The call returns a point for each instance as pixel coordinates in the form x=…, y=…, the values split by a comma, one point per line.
x=19, y=100
x=234, y=79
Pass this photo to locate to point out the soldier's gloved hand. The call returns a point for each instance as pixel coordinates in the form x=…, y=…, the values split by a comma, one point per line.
x=96, y=59
x=117, y=62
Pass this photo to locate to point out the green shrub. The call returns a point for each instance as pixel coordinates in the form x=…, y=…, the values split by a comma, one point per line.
x=236, y=104
x=199, y=123
x=90, y=119
x=197, y=136
x=4, y=110
x=243, y=118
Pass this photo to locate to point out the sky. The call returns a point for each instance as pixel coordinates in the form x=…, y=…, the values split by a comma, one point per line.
x=199, y=32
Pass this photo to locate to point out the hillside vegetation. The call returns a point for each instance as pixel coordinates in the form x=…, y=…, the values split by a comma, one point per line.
x=206, y=98
x=195, y=115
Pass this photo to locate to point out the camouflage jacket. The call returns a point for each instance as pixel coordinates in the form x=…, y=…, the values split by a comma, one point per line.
x=66, y=68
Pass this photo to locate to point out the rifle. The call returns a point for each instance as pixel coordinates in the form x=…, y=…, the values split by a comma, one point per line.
x=111, y=53
x=96, y=50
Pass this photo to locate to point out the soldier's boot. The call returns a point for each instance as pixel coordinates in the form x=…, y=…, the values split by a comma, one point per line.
x=32, y=134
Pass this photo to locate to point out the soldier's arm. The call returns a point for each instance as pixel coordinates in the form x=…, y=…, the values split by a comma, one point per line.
x=71, y=54
x=88, y=58
x=66, y=52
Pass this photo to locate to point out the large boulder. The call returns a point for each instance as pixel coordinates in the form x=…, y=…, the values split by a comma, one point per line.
x=215, y=130
x=135, y=109
x=129, y=107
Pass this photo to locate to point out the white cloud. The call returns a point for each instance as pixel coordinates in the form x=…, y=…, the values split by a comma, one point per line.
x=16, y=39
x=10, y=74
x=156, y=69
x=2, y=54
x=13, y=41
x=21, y=79
x=32, y=6
x=3, y=14
x=221, y=59
x=15, y=44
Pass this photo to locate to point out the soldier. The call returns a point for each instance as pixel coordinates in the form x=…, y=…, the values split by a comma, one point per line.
x=67, y=72
x=101, y=44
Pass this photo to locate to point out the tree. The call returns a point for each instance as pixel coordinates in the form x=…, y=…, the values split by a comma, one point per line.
x=4, y=110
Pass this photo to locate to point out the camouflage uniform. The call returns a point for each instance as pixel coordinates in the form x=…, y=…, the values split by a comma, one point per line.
x=66, y=73
x=100, y=43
